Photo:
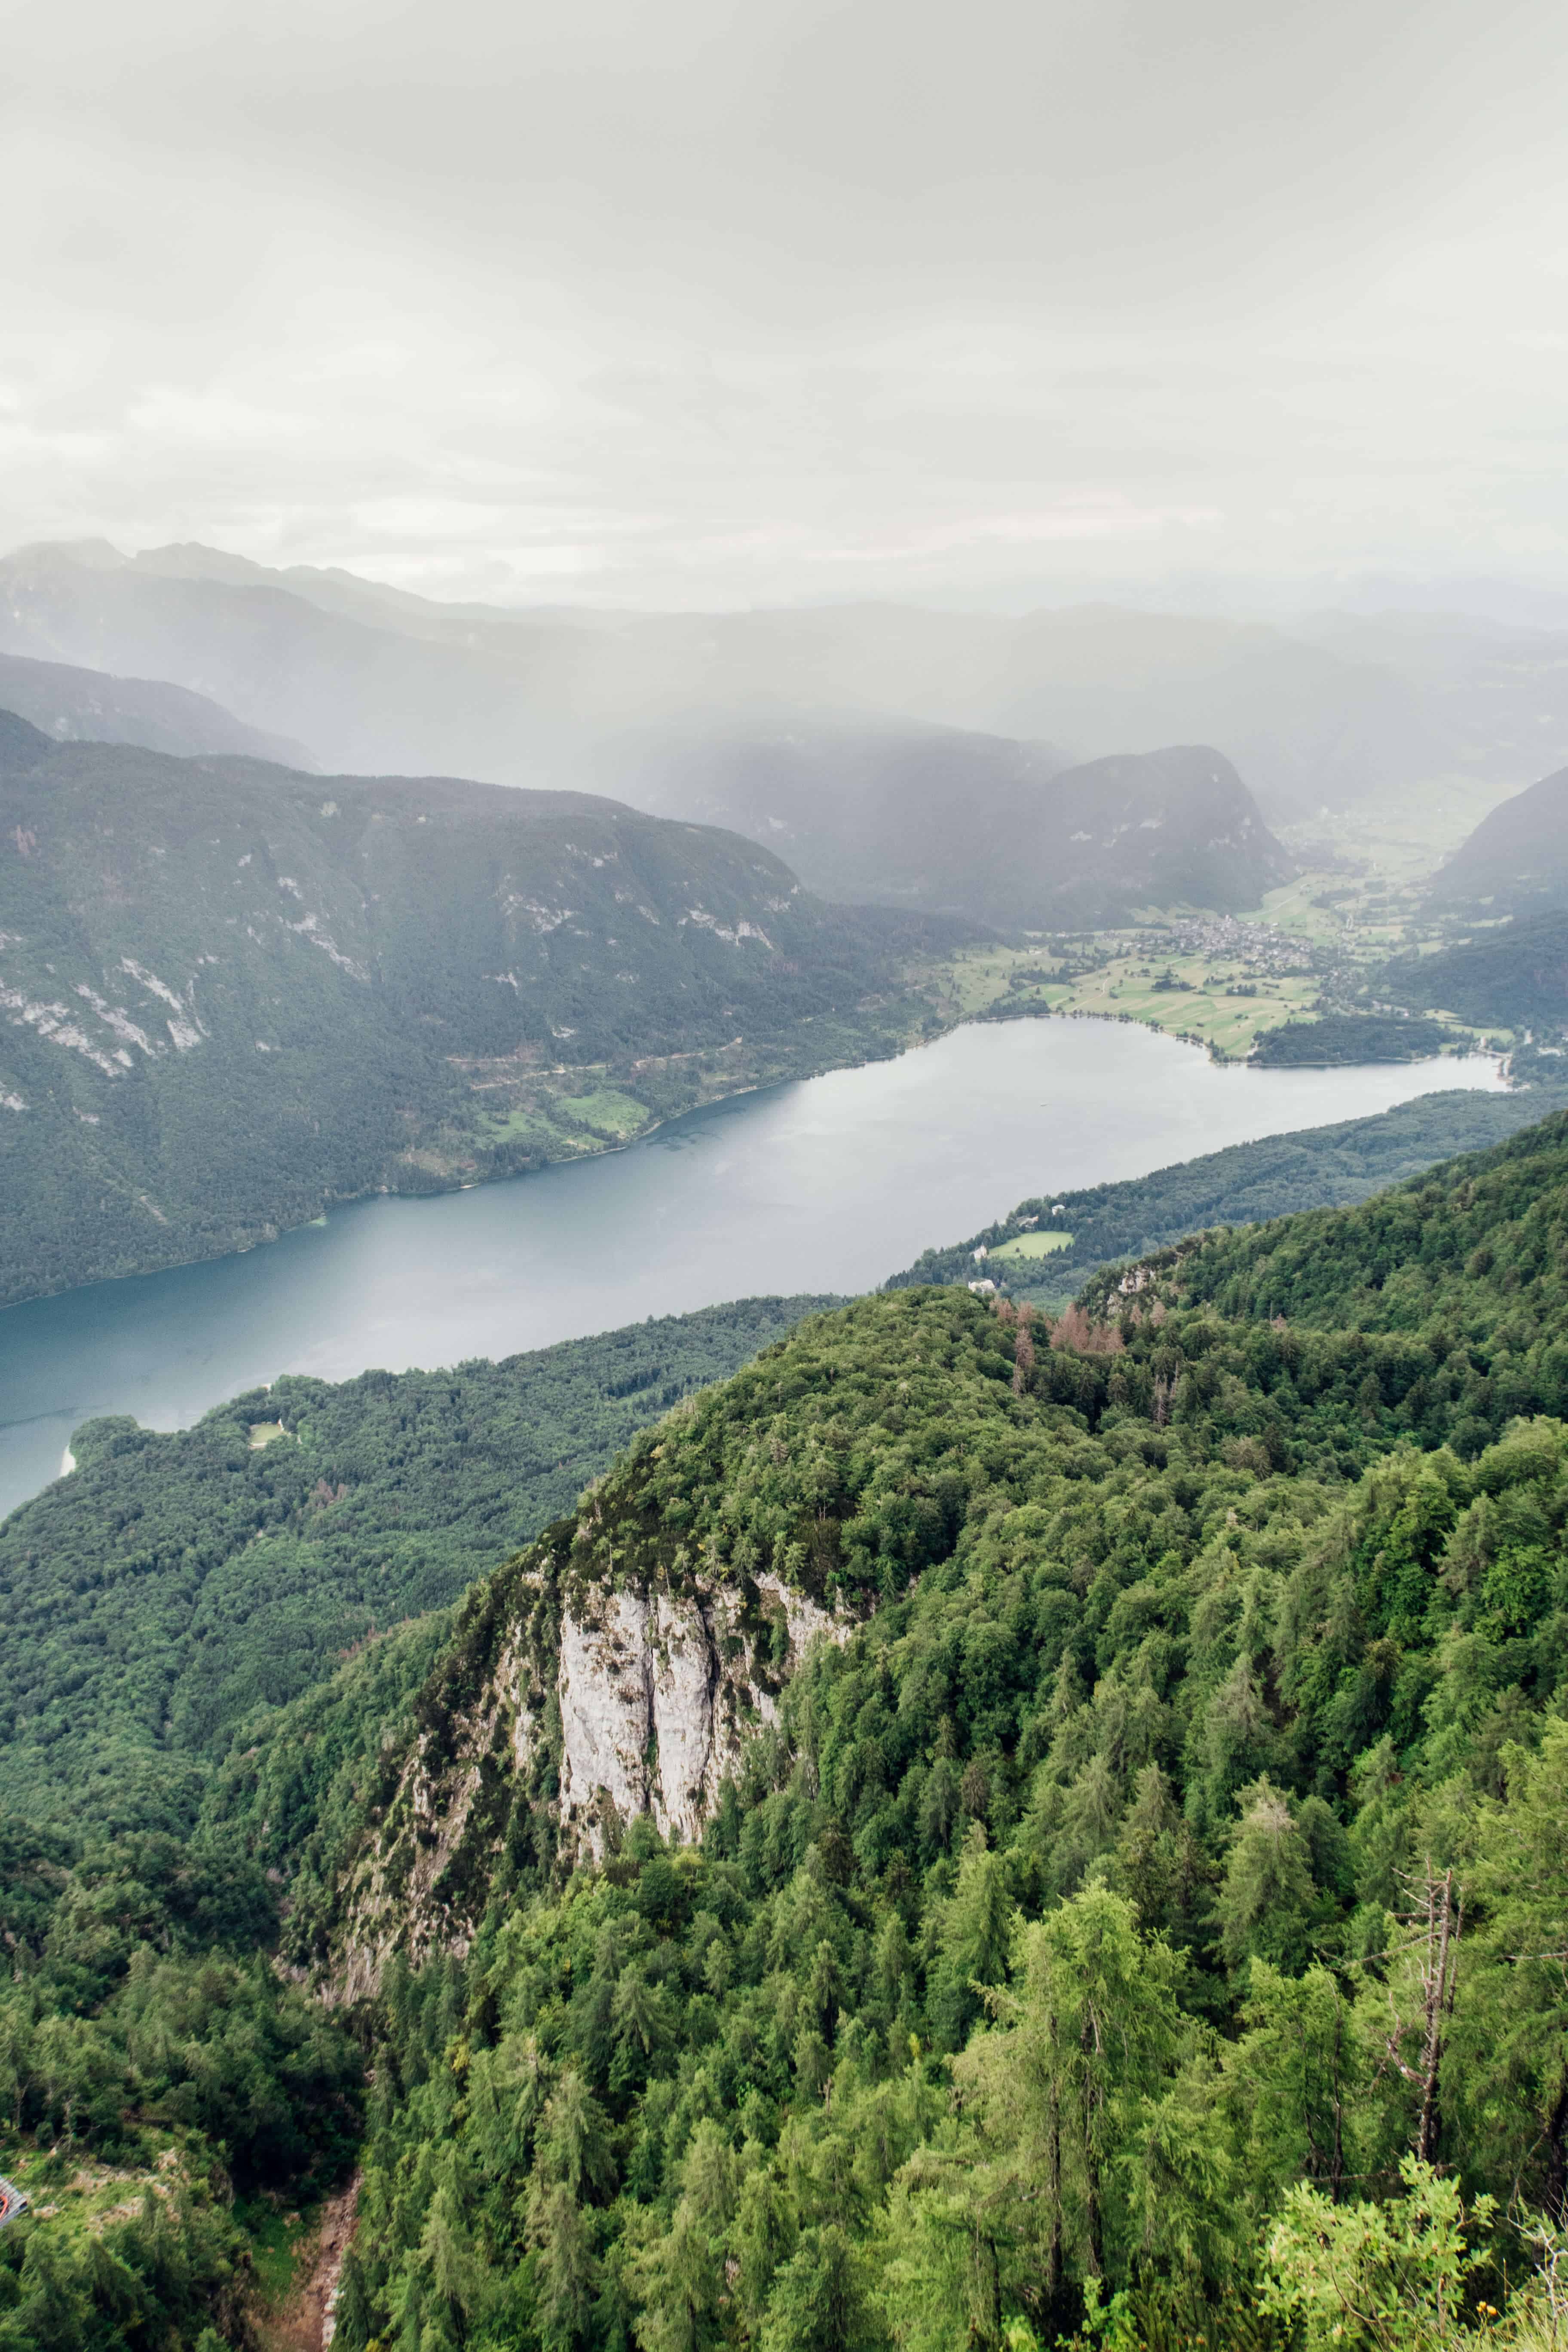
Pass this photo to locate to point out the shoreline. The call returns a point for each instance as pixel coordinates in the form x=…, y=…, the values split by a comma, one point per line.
x=996, y=1014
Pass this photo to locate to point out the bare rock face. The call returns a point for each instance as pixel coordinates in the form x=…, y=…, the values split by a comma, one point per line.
x=651, y=1717
x=606, y=1705
x=594, y=1706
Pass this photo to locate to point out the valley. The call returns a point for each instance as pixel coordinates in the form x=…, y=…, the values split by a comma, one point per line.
x=1133, y=1663
x=783, y=1179
x=593, y=1845
x=826, y=1186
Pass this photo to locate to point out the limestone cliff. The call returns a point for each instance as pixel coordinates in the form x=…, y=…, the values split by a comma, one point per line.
x=569, y=1705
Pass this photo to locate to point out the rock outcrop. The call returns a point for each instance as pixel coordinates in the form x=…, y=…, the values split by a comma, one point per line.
x=592, y=1705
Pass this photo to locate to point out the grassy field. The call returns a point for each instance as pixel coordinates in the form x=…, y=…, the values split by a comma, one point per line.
x=605, y=1112
x=1024, y=1246
x=1357, y=900
x=78, y=2196
x=1207, y=995
x=279, y=2236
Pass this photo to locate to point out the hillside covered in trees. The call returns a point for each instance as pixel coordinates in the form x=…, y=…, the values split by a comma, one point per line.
x=90, y=706
x=1516, y=860
x=1141, y=1915
x=1246, y=1184
x=230, y=994
x=1510, y=975
x=177, y=1582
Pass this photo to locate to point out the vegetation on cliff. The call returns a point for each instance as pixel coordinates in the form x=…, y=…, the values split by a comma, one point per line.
x=1148, y=1922
x=178, y=1583
x=1182, y=1826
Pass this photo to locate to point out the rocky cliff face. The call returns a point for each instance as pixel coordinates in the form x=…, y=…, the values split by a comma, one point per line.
x=652, y=1712
x=579, y=1705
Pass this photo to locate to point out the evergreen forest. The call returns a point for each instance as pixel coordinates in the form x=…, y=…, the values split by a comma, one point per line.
x=1142, y=1924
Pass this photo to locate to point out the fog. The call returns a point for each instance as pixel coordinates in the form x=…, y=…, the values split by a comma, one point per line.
x=712, y=306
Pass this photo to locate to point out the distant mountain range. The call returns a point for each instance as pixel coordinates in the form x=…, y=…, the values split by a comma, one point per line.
x=1511, y=976
x=1003, y=831
x=1517, y=858
x=1493, y=694
x=373, y=679
x=88, y=705
x=1510, y=881
x=230, y=992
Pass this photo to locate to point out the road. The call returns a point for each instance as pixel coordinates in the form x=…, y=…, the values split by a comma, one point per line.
x=12, y=2202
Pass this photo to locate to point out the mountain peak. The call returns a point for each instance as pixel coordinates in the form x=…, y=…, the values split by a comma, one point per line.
x=87, y=554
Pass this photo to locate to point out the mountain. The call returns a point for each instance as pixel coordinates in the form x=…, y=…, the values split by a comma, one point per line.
x=971, y=1816
x=1512, y=975
x=376, y=679
x=77, y=706
x=232, y=992
x=613, y=1696
x=904, y=816
x=941, y=1693
x=178, y=1582
x=1517, y=858
x=1494, y=691
x=1001, y=831
x=1307, y=729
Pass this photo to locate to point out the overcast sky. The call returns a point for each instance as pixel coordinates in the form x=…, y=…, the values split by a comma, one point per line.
x=689, y=302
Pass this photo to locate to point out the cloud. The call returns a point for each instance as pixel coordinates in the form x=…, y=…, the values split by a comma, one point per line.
x=721, y=304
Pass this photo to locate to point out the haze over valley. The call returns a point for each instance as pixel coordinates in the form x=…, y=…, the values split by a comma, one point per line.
x=784, y=1178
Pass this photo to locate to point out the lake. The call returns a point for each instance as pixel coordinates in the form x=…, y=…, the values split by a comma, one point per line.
x=828, y=1185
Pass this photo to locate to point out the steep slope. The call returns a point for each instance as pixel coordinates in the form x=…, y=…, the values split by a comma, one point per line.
x=231, y=993
x=373, y=679
x=1512, y=975
x=901, y=815
x=612, y=1668
x=77, y=706
x=996, y=829
x=1307, y=729
x=1178, y=1659
x=1516, y=861
x=1155, y=829
x=177, y=1582
x=1495, y=690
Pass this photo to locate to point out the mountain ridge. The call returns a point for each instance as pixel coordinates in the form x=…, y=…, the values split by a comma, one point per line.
x=376, y=679
x=232, y=994
x=1012, y=834
x=1516, y=860
x=71, y=704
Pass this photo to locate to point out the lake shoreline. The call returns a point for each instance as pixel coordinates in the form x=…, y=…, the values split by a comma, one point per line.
x=822, y=1185
x=808, y=1067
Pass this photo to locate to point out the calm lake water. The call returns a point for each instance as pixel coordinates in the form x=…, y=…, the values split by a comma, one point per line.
x=831, y=1184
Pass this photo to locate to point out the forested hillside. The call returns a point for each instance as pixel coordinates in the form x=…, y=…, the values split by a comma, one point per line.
x=1512, y=975
x=1517, y=858
x=178, y=1583
x=1036, y=1250
x=1008, y=832
x=1140, y=1914
x=88, y=705
x=232, y=994
x=1086, y=1913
